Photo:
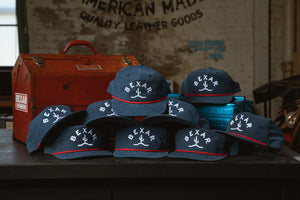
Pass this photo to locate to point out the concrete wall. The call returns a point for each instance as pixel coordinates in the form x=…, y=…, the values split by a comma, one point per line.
x=174, y=37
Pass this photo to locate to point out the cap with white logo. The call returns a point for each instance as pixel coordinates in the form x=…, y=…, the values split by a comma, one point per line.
x=101, y=114
x=47, y=122
x=201, y=144
x=138, y=91
x=77, y=142
x=180, y=115
x=142, y=142
x=255, y=129
x=209, y=85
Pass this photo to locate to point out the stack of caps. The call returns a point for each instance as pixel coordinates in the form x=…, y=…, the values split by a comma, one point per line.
x=142, y=91
x=55, y=131
x=170, y=127
x=246, y=131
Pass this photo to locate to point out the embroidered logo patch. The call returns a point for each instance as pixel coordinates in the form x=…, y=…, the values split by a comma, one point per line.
x=205, y=83
x=193, y=138
x=144, y=137
x=240, y=123
x=107, y=110
x=53, y=115
x=138, y=89
x=84, y=137
x=174, y=109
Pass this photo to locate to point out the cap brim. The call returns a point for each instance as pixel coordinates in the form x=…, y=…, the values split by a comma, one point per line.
x=195, y=156
x=243, y=138
x=83, y=154
x=208, y=99
x=129, y=109
x=139, y=154
x=167, y=121
x=32, y=144
x=112, y=122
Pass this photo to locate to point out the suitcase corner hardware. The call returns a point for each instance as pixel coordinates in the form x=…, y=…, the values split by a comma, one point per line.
x=38, y=60
x=126, y=60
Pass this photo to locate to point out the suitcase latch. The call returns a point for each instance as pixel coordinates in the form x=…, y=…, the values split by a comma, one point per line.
x=38, y=60
x=126, y=60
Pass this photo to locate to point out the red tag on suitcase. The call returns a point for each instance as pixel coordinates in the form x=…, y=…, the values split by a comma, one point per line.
x=42, y=80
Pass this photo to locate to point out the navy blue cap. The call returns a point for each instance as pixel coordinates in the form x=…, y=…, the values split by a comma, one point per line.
x=49, y=121
x=138, y=91
x=77, y=142
x=180, y=115
x=141, y=142
x=101, y=114
x=201, y=144
x=256, y=129
x=209, y=85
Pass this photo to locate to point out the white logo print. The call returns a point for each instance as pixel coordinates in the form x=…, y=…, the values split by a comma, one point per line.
x=84, y=136
x=196, y=136
x=207, y=83
x=107, y=108
x=54, y=112
x=175, y=107
x=142, y=133
x=239, y=121
x=140, y=89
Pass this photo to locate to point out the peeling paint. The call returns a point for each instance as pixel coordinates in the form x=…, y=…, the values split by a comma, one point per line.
x=215, y=48
x=51, y=20
x=173, y=41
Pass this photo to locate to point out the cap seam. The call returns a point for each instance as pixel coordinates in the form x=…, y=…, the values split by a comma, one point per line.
x=140, y=102
x=201, y=152
x=243, y=136
x=80, y=150
x=146, y=150
x=227, y=94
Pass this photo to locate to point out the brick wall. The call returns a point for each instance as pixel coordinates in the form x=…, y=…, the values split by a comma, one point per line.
x=174, y=37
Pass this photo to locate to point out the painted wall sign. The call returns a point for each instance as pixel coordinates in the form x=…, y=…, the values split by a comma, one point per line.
x=215, y=48
x=132, y=9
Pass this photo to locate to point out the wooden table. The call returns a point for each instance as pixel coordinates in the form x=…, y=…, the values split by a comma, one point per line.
x=39, y=176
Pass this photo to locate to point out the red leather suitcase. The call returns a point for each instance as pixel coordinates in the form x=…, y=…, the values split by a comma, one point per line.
x=41, y=80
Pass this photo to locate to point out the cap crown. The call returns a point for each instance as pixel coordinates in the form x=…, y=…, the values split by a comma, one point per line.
x=44, y=122
x=256, y=129
x=53, y=114
x=179, y=114
x=101, y=114
x=81, y=138
x=187, y=112
x=73, y=140
x=99, y=110
x=138, y=84
x=141, y=137
x=102, y=109
x=209, y=81
x=200, y=140
x=177, y=108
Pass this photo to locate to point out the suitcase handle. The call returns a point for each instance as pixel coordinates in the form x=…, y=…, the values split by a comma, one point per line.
x=78, y=42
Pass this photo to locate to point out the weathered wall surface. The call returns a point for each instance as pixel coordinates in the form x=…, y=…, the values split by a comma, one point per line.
x=174, y=37
x=276, y=51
